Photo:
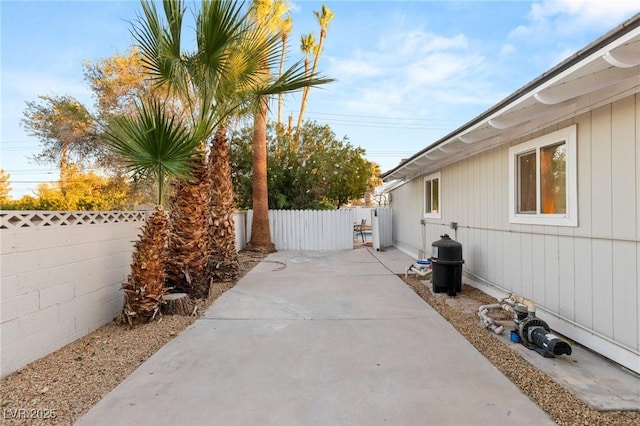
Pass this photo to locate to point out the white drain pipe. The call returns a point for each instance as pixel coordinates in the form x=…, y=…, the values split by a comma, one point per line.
x=487, y=321
x=419, y=269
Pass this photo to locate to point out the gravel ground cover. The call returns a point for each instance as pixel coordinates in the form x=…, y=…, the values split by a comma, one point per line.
x=557, y=402
x=60, y=387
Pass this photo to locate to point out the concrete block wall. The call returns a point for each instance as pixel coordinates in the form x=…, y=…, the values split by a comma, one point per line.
x=61, y=275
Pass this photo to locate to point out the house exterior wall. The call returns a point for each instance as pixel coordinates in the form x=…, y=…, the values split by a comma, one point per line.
x=584, y=279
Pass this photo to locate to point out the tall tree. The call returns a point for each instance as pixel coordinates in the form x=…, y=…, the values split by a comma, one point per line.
x=117, y=83
x=153, y=143
x=285, y=26
x=325, y=16
x=307, y=179
x=65, y=129
x=266, y=14
x=307, y=46
x=221, y=77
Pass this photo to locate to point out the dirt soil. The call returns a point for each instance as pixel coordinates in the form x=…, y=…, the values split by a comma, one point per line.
x=557, y=402
x=62, y=386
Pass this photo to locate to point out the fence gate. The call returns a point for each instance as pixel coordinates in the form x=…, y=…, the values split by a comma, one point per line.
x=381, y=227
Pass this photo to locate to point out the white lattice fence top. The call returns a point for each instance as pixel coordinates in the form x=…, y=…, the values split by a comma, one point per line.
x=39, y=219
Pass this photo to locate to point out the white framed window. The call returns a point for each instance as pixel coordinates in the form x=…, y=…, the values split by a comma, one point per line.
x=543, y=186
x=431, y=196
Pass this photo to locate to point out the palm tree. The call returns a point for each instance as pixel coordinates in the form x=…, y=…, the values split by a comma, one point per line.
x=221, y=77
x=285, y=26
x=152, y=143
x=266, y=14
x=223, y=259
x=324, y=19
x=260, y=240
x=307, y=46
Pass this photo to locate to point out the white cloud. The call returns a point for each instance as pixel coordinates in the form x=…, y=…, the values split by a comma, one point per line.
x=404, y=71
x=440, y=68
x=567, y=16
x=585, y=11
x=354, y=67
x=417, y=41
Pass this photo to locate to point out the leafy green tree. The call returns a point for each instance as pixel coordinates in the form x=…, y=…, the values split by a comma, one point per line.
x=85, y=191
x=321, y=173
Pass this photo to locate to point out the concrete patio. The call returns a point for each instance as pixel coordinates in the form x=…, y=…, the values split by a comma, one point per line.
x=318, y=338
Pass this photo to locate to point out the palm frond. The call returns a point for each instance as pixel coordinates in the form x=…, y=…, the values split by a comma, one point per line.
x=153, y=142
x=160, y=44
x=293, y=79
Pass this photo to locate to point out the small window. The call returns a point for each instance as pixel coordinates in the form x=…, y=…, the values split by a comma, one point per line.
x=432, y=196
x=543, y=188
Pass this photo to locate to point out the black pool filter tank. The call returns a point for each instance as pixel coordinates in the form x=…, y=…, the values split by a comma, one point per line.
x=446, y=260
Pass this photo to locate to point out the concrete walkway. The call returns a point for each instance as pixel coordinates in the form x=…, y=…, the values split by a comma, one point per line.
x=318, y=338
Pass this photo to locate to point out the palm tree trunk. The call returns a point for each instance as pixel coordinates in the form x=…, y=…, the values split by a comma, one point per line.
x=316, y=59
x=189, y=236
x=303, y=106
x=145, y=288
x=260, y=232
x=64, y=168
x=223, y=261
x=282, y=54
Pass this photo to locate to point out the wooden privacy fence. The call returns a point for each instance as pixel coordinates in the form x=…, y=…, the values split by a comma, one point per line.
x=312, y=230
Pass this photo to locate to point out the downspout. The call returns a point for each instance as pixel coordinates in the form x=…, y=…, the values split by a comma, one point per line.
x=422, y=254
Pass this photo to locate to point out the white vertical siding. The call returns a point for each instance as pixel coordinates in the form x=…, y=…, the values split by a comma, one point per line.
x=566, y=277
x=587, y=275
x=526, y=270
x=602, y=272
x=601, y=172
x=583, y=279
x=623, y=172
x=624, y=297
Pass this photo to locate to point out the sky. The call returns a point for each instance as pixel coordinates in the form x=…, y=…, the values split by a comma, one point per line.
x=407, y=72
